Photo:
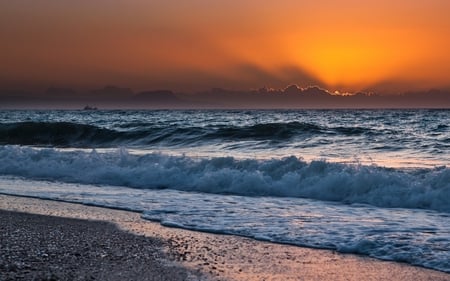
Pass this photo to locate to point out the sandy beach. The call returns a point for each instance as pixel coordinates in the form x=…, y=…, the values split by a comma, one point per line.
x=49, y=240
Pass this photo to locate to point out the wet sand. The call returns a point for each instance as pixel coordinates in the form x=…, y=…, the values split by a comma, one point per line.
x=37, y=247
x=64, y=241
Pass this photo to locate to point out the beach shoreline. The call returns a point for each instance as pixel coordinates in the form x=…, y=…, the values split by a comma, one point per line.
x=178, y=254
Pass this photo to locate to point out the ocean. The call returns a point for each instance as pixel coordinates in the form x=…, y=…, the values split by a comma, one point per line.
x=369, y=182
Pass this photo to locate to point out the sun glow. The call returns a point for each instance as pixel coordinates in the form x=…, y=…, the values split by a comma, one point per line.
x=356, y=60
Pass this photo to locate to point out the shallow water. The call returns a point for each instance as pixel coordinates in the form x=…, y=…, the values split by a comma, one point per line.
x=418, y=237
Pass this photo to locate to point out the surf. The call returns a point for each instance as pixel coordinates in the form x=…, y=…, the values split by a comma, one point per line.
x=285, y=177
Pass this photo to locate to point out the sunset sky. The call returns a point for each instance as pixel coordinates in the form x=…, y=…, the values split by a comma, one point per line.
x=193, y=45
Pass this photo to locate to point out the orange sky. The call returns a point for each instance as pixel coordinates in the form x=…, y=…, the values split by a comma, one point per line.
x=190, y=45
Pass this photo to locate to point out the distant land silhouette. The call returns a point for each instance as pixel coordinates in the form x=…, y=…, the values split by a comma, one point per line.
x=293, y=96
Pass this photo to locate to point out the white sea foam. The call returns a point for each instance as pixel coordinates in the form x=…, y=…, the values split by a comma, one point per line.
x=286, y=177
x=419, y=237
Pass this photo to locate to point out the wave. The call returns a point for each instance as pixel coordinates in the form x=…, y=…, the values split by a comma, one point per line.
x=68, y=134
x=267, y=131
x=55, y=134
x=287, y=177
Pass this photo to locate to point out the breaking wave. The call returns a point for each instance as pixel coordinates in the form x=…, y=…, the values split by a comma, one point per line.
x=286, y=177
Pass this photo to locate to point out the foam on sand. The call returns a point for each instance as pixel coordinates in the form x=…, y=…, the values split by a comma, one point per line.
x=236, y=258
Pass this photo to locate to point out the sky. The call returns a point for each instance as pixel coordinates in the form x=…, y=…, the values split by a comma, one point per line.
x=193, y=45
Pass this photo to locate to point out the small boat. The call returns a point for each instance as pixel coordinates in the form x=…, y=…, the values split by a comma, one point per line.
x=87, y=107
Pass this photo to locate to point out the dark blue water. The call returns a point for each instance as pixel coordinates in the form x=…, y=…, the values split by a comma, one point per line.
x=393, y=138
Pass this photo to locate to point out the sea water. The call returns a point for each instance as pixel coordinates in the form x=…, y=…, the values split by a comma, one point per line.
x=371, y=182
